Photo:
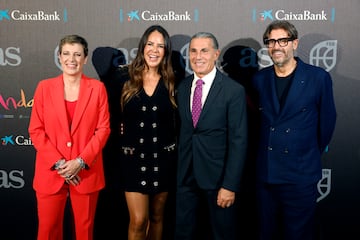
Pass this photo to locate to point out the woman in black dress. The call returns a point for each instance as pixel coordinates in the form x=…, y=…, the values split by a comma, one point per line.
x=148, y=134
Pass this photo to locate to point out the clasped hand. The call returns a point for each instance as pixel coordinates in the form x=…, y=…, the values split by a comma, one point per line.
x=69, y=171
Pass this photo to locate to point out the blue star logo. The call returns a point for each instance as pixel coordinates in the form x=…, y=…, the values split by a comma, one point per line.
x=7, y=139
x=133, y=15
x=4, y=14
x=266, y=15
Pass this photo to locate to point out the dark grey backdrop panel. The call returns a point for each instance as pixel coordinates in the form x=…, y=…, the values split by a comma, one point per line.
x=29, y=34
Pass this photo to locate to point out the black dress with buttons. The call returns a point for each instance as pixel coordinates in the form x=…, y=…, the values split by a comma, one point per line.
x=148, y=156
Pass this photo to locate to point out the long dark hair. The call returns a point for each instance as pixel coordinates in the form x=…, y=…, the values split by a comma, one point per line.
x=138, y=65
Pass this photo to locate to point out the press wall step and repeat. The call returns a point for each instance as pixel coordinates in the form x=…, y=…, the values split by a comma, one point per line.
x=29, y=35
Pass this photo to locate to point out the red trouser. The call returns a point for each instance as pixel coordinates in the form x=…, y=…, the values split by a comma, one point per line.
x=51, y=213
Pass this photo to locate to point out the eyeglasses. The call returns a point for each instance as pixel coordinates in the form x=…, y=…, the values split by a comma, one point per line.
x=283, y=42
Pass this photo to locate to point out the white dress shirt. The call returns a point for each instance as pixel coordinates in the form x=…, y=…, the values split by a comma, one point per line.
x=208, y=80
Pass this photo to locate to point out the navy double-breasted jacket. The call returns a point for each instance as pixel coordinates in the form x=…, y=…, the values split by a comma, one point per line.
x=292, y=138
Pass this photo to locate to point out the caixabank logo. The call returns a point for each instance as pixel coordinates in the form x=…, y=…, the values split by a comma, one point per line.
x=33, y=16
x=18, y=140
x=158, y=16
x=293, y=15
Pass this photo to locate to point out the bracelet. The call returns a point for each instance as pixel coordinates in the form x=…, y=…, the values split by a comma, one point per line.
x=57, y=165
x=81, y=162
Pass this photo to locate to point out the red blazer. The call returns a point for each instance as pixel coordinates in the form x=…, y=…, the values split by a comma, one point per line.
x=53, y=139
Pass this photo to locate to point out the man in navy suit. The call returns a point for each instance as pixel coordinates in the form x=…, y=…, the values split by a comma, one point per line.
x=297, y=122
x=213, y=150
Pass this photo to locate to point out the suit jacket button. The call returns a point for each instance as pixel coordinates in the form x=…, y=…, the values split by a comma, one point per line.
x=68, y=144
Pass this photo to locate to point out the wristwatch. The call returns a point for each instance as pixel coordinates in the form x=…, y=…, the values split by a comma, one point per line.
x=83, y=165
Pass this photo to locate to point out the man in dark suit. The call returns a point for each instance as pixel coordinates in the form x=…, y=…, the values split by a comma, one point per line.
x=212, y=150
x=297, y=122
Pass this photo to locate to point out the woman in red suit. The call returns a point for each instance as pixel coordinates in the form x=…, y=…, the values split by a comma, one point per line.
x=69, y=127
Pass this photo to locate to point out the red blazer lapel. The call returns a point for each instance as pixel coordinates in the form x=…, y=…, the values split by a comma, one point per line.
x=83, y=101
x=58, y=101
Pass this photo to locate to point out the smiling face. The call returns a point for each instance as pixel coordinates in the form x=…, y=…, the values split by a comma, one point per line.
x=154, y=50
x=202, y=55
x=281, y=55
x=72, y=59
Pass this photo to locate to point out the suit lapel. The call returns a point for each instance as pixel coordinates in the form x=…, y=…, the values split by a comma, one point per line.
x=274, y=98
x=214, y=90
x=83, y=100
x=186, y=98
x=58, y=102
x=295, y=91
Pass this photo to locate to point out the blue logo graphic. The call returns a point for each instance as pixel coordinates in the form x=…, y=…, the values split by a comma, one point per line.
x=7, y=139
x=133, y=15
x=332, y=14
x=196, y=15
x=4, y=14
x=65, y=15
x=266, y=14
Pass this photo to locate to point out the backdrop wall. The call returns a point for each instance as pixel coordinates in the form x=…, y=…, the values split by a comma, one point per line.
x=29, y=34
